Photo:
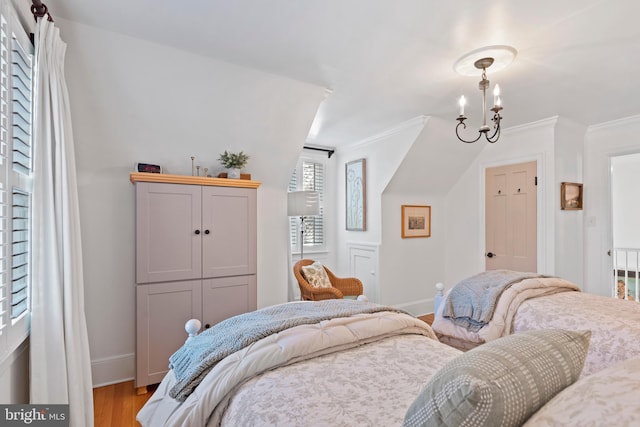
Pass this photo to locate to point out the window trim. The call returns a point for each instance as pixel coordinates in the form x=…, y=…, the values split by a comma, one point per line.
x=322, y=159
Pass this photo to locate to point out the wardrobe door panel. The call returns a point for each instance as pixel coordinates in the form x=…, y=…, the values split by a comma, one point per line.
x=226, y=297
x=229, y=224
x=162, y=311
x=168, y=227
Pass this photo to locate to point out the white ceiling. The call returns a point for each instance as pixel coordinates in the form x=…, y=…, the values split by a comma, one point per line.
x=389, y=61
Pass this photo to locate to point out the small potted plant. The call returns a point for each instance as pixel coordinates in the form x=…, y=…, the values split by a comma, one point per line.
x=233, y=162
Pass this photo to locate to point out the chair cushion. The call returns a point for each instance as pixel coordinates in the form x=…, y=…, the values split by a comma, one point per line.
x=316, y=275
x=503, y=382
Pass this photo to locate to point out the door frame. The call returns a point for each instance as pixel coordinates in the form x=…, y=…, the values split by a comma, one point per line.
x=602, y=142
x=608, y=232
x=544, y=251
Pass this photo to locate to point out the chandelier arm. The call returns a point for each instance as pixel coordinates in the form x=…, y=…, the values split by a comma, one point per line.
x=496, y=134
x=463, y=140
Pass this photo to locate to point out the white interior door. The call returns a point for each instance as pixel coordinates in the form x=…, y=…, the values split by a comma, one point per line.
x=363, y=264
x=511, y=217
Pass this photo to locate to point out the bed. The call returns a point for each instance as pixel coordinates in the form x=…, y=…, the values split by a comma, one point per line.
x=368, y=365
x=533, y=302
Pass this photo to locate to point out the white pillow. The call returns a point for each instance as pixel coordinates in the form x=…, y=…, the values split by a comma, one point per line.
x=316, y=275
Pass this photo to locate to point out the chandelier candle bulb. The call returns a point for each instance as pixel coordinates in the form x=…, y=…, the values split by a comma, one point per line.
x=461, y=103
x=496, y=95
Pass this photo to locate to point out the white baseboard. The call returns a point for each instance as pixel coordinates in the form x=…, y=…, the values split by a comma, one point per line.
x=112, y=370
x=417, y=308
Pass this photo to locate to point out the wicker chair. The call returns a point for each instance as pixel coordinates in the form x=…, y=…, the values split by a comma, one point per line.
x=349, y=286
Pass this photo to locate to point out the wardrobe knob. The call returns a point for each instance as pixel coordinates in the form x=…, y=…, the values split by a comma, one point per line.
x=206, y=232
x=207, y=326
x=197, y=231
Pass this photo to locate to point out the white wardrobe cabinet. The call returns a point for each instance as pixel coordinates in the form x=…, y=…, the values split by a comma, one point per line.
x=195, y=258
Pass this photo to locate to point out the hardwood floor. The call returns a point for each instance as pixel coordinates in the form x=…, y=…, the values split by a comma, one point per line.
x=118, y=404
x=427, y=318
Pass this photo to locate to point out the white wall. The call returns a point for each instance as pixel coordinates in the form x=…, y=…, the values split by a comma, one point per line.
x=569, y=224
x=136, y=101
x=556, y=145
x=410, y=267
x=383, y=153
x=602, y=142
x=434, y=168
x=465, y=202
x=14, y=376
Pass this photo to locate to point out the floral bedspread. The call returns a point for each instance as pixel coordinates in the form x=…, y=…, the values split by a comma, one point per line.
x=614, y=324
x=371, y=385
x=606, y=398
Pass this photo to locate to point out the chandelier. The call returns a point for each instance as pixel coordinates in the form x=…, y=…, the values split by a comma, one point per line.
x=482, y=59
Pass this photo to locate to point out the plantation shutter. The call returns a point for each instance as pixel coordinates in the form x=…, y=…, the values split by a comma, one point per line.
x=16, y=71
x=4, y=135
x=20, y=253
x=21, y=71
x=21, y=67
x=293, y=221
x=312, y=179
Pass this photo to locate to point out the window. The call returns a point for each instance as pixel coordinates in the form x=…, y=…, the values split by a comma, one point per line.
x=16, y=89
x=309, y=176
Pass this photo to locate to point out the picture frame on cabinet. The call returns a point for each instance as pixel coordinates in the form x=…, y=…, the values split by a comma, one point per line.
x=416, y=221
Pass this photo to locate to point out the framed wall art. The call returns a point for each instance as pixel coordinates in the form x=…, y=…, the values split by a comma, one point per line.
x=416, y=221
x=571, y=196
x=355, y=195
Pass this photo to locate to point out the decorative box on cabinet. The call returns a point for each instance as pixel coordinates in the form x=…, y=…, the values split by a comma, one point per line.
x=195, y=258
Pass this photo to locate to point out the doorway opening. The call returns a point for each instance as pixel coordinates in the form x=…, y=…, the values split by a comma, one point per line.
x=625, y=205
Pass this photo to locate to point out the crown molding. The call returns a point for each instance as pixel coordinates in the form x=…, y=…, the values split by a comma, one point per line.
x=550, y=121
x=613, y=123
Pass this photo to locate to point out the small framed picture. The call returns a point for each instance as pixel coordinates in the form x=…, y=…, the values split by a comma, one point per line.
x=571, y=196
x=416, y=221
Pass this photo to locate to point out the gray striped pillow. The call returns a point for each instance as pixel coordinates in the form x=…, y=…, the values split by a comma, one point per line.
x=501, y=383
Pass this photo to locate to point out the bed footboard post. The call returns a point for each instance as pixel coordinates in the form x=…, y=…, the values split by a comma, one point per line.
x=437, y=300
x=192, y=327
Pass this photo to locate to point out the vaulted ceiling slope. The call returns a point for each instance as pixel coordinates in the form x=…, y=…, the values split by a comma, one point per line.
x=386, y=62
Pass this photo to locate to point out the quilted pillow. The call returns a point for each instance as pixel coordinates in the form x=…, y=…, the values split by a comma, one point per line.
x=503, y=382
x=316, y=275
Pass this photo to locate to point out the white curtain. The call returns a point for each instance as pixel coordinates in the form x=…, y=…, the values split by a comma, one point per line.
x=60, y=361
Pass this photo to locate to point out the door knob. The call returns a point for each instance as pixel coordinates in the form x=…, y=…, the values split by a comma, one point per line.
x=490, y=254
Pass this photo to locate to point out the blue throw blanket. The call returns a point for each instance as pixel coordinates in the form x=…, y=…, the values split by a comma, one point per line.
x=472, y=302
x=199, y=355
